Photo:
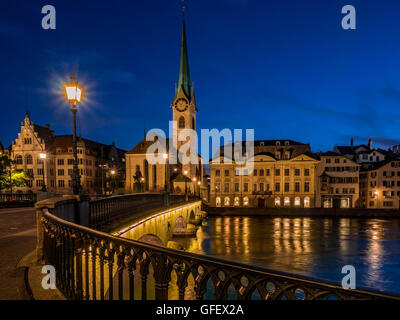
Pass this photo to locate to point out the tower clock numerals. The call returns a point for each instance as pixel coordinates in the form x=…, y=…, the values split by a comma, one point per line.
x=181, y=104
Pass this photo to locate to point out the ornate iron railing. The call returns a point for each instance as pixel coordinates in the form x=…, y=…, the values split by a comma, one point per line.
x=94, y=265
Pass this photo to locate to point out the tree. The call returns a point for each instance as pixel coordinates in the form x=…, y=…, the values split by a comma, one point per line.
x=10, y=178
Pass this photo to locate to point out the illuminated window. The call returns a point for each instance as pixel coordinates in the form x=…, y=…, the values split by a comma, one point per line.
x=286, y=202
x=218, y=201
x=245, y=201
x=297, y=201
x=277, y=201
x=236, y=202
x=345, y=203
x=306, y=202
x=226, y=201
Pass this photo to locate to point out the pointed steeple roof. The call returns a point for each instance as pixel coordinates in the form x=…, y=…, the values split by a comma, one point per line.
x=184, y=74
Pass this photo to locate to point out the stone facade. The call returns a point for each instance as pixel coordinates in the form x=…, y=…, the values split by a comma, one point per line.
x=337, y=181
x=95, y=161
x=380, y=185
x=283, y=176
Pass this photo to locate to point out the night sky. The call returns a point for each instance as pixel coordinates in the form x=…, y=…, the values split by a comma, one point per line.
x=285, y=68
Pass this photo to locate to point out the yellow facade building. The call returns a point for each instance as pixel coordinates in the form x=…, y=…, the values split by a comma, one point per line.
x=283, y=176
x=380, y=185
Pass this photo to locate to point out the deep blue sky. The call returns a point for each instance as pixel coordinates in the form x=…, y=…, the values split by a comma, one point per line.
x=285, y=68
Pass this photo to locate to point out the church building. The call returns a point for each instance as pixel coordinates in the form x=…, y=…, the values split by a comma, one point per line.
x=141, y=176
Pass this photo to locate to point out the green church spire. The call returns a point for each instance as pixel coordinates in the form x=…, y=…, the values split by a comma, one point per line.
x=184, y=74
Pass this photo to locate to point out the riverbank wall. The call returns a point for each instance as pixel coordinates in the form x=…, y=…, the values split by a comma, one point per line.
x=304, y=212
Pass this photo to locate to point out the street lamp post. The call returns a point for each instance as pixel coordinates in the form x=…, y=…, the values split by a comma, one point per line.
x=194, y=185
x=74, y=94
x=43, y=157
x=165, y=156
x=199, y=183
x=113, y=180
x=142, y=184
x=186, y=172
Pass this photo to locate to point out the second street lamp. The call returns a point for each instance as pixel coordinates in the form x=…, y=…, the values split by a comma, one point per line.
x=186, y=172
x=43, y=159
x=74, y=94
x=165, y=156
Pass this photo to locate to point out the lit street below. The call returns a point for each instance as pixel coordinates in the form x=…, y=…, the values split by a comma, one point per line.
x=17, y=239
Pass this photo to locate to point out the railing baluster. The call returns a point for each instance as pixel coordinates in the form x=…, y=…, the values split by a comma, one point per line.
x=94, y=276
x=110, y=275
x=132, y=280
x=87, y=290
x=79, y=278
x=101, y=259
x=120, y=266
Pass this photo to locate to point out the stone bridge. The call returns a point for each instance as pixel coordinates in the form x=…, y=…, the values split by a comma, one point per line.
x=158, y=227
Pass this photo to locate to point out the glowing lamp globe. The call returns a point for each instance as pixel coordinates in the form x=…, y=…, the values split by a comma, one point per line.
x=73, y=91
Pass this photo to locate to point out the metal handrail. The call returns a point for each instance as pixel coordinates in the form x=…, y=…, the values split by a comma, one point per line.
x=70, y=247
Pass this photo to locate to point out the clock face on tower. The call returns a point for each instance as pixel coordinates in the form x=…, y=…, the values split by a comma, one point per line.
x=181, y=104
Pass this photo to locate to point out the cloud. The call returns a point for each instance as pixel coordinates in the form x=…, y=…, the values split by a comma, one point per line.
x=120, y=76
x=389, y=93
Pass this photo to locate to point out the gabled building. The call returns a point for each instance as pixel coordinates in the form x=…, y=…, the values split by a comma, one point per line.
x=362, y=153
x=96, y=161
x=337, y=181
x=380, y=184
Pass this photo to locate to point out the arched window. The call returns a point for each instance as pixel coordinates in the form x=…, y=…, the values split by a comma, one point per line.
x=236, y=202
x=277, y=201
x=181, y=122
x=297, y=201
x=246, y=201
x=218, y=201
x=226, y=201
x=193, y=124
x=307, y=202
x=286, y=202
x=28, y=159
x=19, y=159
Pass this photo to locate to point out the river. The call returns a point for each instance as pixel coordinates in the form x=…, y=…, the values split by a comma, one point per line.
x=315, y=247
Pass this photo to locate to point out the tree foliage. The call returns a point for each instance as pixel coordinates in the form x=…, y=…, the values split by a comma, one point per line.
x=17, y=178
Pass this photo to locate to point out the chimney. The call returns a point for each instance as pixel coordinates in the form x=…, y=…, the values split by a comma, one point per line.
x=370, y=144
x=47, y=126
x=351, y=142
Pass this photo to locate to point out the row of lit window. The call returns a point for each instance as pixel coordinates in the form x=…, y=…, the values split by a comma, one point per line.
x=260, y=172
x=277, y=202
x=60, y=162
x=261, y=187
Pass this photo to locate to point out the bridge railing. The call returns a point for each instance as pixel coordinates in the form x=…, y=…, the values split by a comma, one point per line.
x=103, y=210
x=23, y=197
x=93, y=265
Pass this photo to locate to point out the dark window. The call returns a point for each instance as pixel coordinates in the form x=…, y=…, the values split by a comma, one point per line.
x=181, y=122
x=286, y=186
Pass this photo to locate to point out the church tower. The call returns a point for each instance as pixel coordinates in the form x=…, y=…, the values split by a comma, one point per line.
x=184, y=105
